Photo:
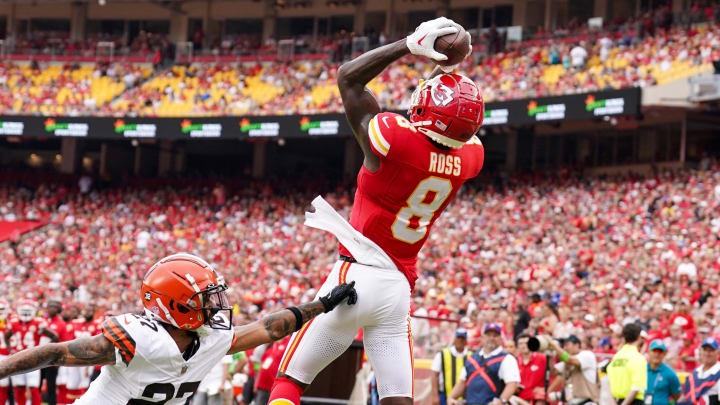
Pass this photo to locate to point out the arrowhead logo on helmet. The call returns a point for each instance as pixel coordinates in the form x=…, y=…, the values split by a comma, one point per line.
x=441, y=94
x=448, y=109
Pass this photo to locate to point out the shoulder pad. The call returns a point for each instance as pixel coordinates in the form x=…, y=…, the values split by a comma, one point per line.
x=382, y=129
x=474, y=141
x=114, y=329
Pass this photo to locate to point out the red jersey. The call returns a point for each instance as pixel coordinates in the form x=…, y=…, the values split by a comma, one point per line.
x=4, y=346
x=83, y=328
x=26, y=335
x=56, y=325
x=69, y=332
x=250, y=363
x=270, y=364
x=532, y=375
x=396, y=206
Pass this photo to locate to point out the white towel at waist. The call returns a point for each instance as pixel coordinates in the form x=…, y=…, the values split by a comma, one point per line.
x=362, y=249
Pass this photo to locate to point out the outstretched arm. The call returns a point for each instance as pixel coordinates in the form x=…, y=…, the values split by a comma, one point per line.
x=272, y=327
x=93, y=351
x=282, y=323
x=359, y=102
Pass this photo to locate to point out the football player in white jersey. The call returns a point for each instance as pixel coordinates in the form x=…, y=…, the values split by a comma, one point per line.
x=161, y=357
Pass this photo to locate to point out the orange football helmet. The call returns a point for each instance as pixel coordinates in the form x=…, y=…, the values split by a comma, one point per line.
x=186, y=292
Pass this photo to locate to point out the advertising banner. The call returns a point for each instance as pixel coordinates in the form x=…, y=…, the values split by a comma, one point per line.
x=587, y=106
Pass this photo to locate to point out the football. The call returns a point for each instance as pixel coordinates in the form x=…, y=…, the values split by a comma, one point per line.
x=455, y=46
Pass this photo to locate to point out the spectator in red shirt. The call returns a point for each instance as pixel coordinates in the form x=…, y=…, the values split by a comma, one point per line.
x=684, y=318
x=686, y=357
x=532, y=371
x=269, y=366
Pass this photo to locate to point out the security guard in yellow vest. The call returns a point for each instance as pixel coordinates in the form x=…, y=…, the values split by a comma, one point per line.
x=447, y=365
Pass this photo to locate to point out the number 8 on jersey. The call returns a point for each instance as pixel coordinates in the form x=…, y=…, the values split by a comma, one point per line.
x=411, y=222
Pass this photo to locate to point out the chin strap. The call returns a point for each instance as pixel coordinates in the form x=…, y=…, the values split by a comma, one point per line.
x=167, y=313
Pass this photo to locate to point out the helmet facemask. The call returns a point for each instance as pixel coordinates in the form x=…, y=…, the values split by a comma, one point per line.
x=185, y=291
x=26, y=313
x=211, y=301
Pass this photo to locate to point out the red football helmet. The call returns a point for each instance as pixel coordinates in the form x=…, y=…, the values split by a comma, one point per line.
x=447, y=108
x=186, y=292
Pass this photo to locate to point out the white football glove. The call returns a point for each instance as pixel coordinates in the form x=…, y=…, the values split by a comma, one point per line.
x=450, y=68
x=422, y=41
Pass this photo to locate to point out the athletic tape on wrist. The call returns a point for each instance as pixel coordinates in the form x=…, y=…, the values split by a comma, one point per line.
x=298, y=317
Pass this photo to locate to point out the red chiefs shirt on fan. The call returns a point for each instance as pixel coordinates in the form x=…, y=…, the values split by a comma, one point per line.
x=26, y=335
x=270, y=363
x=397, y=205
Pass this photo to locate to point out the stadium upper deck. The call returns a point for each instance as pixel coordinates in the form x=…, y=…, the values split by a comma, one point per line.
x=606, y=60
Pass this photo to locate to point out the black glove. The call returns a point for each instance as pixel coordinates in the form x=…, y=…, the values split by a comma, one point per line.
x=338, y=294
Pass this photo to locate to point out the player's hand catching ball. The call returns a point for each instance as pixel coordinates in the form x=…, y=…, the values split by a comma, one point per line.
x=338, y=294
x=450, y=68
x=422, y=41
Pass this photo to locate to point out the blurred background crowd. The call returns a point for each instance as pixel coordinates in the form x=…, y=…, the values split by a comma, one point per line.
x=557, y=255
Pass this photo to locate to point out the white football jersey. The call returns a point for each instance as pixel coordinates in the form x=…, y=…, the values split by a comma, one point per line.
x=149, y=368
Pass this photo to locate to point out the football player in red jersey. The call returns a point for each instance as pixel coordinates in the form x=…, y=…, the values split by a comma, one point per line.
x=56, y=324
x=4, y=345
x=411, y=171
x=26, y=331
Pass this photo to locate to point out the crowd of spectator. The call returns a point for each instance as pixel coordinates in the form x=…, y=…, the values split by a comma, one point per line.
x=542, y=68
x=51, y=43
x=611, y=60
x=562, y=255
x=69, y=89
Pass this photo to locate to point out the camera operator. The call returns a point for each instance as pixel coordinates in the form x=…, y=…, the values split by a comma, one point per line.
x=577, y=373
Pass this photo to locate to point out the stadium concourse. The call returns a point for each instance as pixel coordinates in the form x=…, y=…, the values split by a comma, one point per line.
x=583, y=255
